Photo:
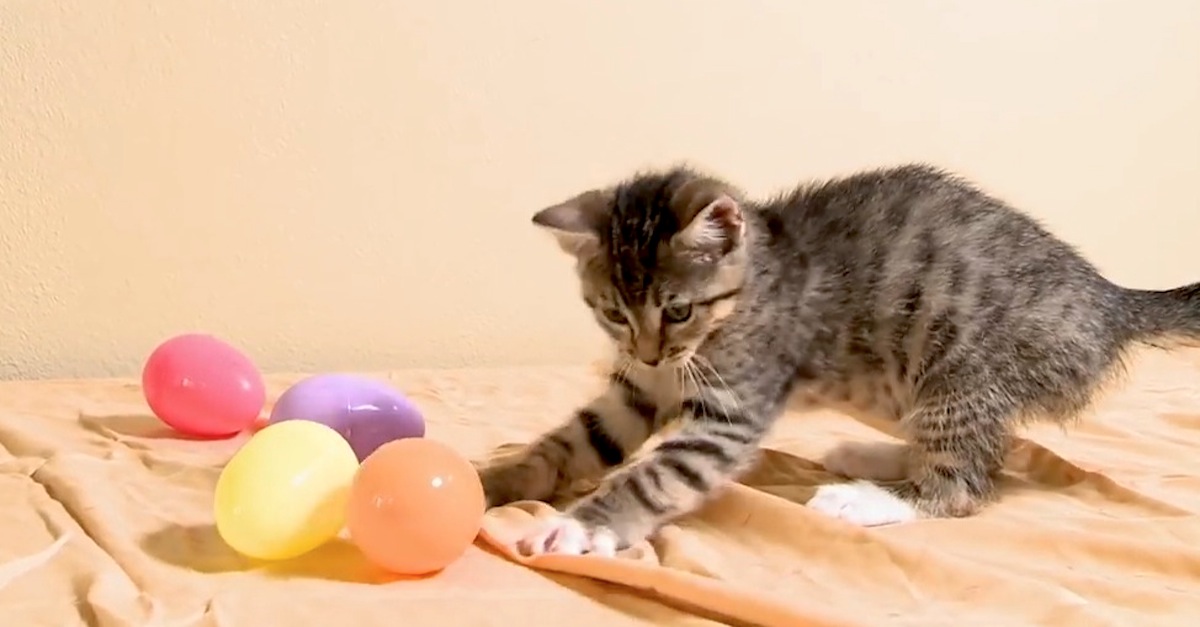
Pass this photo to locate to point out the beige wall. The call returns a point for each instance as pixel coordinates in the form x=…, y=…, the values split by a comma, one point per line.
x=347, y=184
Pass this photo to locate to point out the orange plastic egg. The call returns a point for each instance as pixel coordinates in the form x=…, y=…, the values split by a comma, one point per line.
x=415, y=506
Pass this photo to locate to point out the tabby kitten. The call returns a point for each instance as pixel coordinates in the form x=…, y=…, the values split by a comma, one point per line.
x=905, y=295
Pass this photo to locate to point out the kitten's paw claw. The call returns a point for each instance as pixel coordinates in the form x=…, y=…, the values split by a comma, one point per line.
x=862, y=503
x=567, y=536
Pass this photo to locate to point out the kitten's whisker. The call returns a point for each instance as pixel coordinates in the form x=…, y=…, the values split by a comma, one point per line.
x=681, y=373
x=689, y=380
x=694, y=376
x=700, y=377
x=623, y=368
x=737, y=402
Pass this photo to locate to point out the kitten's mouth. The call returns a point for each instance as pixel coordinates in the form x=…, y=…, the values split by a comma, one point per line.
x=674, y=359
x=677, y=358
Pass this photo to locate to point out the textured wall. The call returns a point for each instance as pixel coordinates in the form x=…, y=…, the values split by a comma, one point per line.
x=348, y=184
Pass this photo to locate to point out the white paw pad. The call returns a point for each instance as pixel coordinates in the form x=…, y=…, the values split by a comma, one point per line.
x=861, y=503
x=567, y=536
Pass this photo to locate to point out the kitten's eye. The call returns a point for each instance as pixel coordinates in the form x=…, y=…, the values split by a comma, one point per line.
x=678, y=312
x=614, y=315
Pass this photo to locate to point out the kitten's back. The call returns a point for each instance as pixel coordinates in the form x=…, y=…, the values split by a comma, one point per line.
x=925, y=277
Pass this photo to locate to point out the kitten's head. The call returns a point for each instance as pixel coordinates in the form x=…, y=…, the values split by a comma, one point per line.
x=660, y=259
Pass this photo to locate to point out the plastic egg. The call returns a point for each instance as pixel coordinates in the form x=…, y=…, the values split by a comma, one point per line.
x=285, y=492
x=367, y=412
x=415, y=506
x=201, y=386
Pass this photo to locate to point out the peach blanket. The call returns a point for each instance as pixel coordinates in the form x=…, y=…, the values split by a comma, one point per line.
x=106, y=520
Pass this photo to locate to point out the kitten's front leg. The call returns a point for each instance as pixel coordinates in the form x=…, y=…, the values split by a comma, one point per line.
x=597, y=437
x=717, y=441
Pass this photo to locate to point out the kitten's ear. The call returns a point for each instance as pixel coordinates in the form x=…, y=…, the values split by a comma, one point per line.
x=576, y=222
x=714, y=224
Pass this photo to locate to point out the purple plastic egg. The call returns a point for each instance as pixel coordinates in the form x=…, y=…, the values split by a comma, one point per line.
x=367, y=412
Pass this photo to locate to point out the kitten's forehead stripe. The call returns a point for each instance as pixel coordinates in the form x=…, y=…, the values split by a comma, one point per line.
x=642, y=220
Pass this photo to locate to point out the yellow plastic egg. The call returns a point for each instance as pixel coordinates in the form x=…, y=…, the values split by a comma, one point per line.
x=285, y=492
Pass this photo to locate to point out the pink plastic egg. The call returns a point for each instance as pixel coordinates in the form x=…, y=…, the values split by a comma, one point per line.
x=201, y=386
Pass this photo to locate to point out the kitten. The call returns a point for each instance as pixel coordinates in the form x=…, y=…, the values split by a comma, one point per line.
x=904, y=294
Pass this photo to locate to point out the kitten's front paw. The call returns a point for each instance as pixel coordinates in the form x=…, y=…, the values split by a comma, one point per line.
x=564, y=534
x=862, y=503
x=504, y=484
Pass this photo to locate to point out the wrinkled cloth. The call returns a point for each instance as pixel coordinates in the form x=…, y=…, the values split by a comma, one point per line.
x=107, y=520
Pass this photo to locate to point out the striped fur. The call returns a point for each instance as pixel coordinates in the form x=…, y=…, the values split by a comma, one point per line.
x=906, y=297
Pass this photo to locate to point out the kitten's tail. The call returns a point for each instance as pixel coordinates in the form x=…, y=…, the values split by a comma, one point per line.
x=1170, y=315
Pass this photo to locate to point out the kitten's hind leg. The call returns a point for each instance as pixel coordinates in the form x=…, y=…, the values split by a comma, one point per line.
x=957, y=446
x=877, y=461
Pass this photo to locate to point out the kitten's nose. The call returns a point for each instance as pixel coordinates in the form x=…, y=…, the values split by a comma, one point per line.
x=646, y=349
